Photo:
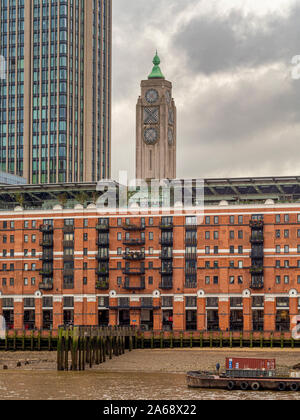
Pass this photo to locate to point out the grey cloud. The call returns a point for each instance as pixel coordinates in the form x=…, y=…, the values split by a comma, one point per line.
x=247, y=125
x=221, y=43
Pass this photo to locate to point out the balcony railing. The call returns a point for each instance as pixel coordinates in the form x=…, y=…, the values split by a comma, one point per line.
x=68, y=257
x=166, y=255
x=191, y=271
x=257, y=254
x=128, y=285
x=190, y=284
x=102, y=272
x=168, y=271
x=134, y=227
x=166, y=284
x=68, y=244
x=134, y=242
x=166, y=225
x=257, y=239
x=46, y=286
x=256, y=270
x=46, y=242
x=191, y=241
x=257, y=284
x=191, y=226
x=134, y=271
x=68, y=229
x=102, y=242
x=102, y=257
x=46, y=257
x=46, y=272
x=102, y=227
x=46, y=228
x=102, y=285
x=191, y=256
x=256, y=224
x=68, y=271
x=166, y=241
x=134, y=256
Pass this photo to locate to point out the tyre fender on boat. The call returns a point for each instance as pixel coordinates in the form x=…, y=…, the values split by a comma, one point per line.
x=294, y=386
x=230, y=385
x=281, y=386
x=255, y=386
x=244, y=386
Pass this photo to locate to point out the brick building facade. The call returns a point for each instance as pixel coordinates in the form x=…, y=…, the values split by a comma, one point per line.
x=236, y=270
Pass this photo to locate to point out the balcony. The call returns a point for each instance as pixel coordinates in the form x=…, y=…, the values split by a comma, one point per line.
x=102, y=227
x=191, y=241
x=257, y=239
x=68, y=244
x=191, y=226
x=256, y=224
x=46, y=272
x=46, y=228
x=166, y=241
x=166, y=226
x=134, y=271
x=102, y=257
x=166, y=271
x=130, y=285
x=68, y=272
x=68, y=257
x=257, y=254
x=46, y=243
x=192, y=256
x=256, y=270
x=257, y=283
x=166, y=255
x=102, y=285
x=190, y=284
x=191, y=271
x=104, y=271
x=46, y=257
x=68, y=229
x=166, y=284
x=103, y=242
x=134, y=227
x=46, y=286
x=134, y=256
x=134, y=242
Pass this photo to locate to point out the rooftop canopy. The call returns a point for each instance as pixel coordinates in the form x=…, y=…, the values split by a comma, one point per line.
x=233, y=190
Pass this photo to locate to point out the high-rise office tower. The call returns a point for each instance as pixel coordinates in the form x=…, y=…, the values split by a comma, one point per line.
x=55, y=100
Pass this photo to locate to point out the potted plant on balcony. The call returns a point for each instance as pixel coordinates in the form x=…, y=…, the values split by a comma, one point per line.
x=101, y=284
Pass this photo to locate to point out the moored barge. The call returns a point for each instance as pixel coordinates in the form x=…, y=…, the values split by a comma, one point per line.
x=238, y=376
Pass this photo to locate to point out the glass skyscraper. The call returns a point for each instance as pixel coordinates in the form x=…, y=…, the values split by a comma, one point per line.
x=55, y=100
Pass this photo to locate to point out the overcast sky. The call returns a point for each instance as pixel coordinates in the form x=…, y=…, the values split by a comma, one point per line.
x=230, y=64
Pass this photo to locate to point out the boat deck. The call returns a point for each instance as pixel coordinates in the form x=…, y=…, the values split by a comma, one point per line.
x=211, y=380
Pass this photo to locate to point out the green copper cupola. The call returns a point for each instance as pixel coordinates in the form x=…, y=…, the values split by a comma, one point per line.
x=156, y=71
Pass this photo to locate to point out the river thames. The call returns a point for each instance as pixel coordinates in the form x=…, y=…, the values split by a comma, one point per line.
x=137, y=375
x=45, y=385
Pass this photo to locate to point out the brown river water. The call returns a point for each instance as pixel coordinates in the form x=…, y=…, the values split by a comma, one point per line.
x=101, y=385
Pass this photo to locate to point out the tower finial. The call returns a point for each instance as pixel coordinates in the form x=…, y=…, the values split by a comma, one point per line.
x=156, y=71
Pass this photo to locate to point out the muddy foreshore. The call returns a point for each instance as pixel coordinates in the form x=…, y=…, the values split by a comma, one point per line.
x=157, y=360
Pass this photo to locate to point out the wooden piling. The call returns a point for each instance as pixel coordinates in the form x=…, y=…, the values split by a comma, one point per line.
x=91, y=345
x=59, y=350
